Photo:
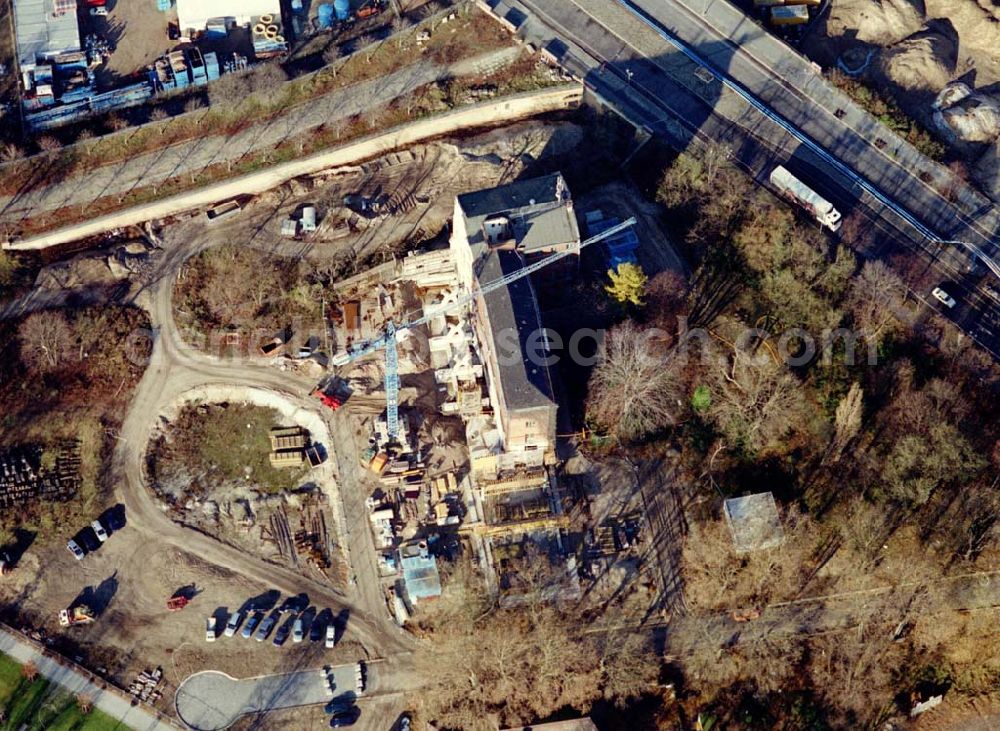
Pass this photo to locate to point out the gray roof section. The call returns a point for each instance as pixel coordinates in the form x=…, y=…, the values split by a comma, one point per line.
x=41, y=33
x=516, y=324
x=540, y=211
x=753, y=521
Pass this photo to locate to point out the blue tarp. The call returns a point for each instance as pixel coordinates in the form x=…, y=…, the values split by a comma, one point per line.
x=621, y=247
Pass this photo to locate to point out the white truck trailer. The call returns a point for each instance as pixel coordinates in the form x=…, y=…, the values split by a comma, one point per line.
x=798, y=192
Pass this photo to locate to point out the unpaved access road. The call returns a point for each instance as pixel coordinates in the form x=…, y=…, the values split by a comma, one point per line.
x=193, y=156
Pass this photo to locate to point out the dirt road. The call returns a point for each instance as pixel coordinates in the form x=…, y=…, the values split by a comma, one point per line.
x=195, y=155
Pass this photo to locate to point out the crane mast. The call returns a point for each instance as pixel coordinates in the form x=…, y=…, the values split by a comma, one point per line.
x=388, y=339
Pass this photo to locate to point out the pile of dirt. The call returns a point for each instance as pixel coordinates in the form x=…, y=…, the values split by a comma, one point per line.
x=940, y=59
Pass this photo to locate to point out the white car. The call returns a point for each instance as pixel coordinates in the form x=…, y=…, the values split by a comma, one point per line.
x=102, y=535
x=233, y=624
x=331, y=636
x=297, y=633
x=943, y=297
x=77, y=552
x=99, y=11
x=210, y=634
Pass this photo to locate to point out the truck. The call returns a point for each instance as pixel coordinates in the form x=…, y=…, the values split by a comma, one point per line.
x=795, y=191
x=789, y=15
x=80, y=614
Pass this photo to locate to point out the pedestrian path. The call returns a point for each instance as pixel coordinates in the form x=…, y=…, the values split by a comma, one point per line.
x=115, y=704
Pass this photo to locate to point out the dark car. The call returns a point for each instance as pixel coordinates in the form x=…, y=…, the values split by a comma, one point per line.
x=347, y=717
x=282, y=634
x=317, y=630
x=295, y=604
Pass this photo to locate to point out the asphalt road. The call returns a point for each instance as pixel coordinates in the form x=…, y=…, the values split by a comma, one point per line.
x=631, y=66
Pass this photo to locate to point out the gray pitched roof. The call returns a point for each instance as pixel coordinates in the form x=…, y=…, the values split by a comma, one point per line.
x=512, y=310
x=538, y=209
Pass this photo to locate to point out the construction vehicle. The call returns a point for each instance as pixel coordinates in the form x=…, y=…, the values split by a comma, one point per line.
x=177, y=603
x=794, y=190
x=80, y=614
x=333, y=392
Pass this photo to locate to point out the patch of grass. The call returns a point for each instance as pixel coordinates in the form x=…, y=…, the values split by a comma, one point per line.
x=208, y=447
x=42, y=706
x=887, y=112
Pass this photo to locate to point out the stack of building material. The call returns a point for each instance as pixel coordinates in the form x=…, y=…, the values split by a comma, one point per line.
x=268, y=36
x=288, y=446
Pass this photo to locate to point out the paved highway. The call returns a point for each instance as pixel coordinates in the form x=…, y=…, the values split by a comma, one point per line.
x=698, y=72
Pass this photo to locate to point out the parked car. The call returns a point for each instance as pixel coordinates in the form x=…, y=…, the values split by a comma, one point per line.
x=252, y=621
x=404, y=722
x=943, y=297
x=282, y=634
x=346, y=717
x=210, y=634
x=297, y=633
x=331, y=636
x=265, y=628
x=102, y=535
x=75, y=549
x=318, y=626
x=233, y=624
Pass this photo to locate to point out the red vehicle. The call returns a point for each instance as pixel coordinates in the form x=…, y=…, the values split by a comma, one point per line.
x=369, y=11
x=333, y=402
x=333, y=392
x=177, y=603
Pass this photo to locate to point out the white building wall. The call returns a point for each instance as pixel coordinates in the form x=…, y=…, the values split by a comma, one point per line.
x=194, y=14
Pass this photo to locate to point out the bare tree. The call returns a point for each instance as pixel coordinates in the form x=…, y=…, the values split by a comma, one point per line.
x=48, y=144
x=634, y=390
x=267, y=82
x=193, y=105
x=85, y=703
x=366, y=42
x=117, y=123
x=11, y=152
x=160, y=115
x=45, y=340
x=400, y=24
x=756, y=400
x=847, y=421
x=29, y=671
x=231, y=90
x=874, y=297
x=332, y=54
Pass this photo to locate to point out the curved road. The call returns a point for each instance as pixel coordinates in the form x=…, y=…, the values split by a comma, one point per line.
x=173, y=369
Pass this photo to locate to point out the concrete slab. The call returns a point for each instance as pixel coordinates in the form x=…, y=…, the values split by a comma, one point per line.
x=212, y=700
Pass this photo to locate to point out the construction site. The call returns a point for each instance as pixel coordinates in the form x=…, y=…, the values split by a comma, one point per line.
x=450, y=452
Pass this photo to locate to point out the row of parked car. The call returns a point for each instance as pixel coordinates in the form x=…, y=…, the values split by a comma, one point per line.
x=259, y=625
x=76, y=549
